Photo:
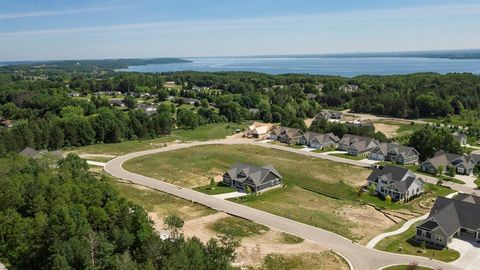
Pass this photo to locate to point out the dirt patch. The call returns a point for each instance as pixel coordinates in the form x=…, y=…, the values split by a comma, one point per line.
x=253, y=249
x=308, y=122
x=389, y=130
x=369, y=221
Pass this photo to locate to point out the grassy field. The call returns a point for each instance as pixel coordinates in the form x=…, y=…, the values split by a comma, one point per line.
x=207, y=132
x=347, y=156
x=161, y=203
x=237, y=227
x=290, y=239
x=193, y=167
x=325, y=149
x=318, y=192
x=404, y=244
x=322, y=260
x=217, y=188
x=405, y=267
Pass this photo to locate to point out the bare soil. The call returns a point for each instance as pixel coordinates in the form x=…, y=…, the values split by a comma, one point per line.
x=253, y=249
x=389, y=130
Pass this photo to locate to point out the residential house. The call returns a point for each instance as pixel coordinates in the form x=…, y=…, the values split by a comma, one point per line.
x=462, y=164
x=400, y=183
x=348, y=88
x=148, y=109
x=116, y=102
x=317, y=140
x=240, y=176
x=311, y=96
x=290, y=135
x=357, y=145
x=74, y=94
x=190, y=101
x=329, y=115
x=448, y=218
x=258, y=130
x=460, y=137
x=31, y=153
x=395, y=152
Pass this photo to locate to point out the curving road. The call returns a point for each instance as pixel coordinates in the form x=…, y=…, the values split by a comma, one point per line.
x=359, y=257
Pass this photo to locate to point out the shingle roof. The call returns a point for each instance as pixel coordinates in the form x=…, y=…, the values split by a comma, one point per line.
x=29, y=152
x=400, y=177
x=398, y=149
x=453, y=214
x=256, y=174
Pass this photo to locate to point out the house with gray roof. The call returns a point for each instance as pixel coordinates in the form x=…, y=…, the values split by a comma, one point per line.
x=462, y=164
x=286, y=134
x=240, y=176
x=460, y=137
x=357, y=145
x=449, y=218
x=329, y=115
x=400, y=183
x=31, y=153
x=318, y=141
x=149, y=109
x=396, y=153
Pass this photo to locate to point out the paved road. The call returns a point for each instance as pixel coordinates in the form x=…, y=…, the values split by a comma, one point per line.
x=360, y=257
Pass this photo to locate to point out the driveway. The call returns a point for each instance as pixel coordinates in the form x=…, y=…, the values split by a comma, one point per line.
x=469, y=253
x=468, y=179
x=229, y=195
x=359, y=257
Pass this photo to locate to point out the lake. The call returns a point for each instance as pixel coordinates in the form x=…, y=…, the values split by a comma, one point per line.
x=347, y=67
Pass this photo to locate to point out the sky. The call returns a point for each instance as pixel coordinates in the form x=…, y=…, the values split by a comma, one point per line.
x=87, y=29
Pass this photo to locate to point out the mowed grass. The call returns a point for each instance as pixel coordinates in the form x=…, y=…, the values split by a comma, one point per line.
x=194, y=166
x=207, y=132
x=217, y=188
x=404, y=244
x=237, y=227
x=161, y=203
x=322, y=260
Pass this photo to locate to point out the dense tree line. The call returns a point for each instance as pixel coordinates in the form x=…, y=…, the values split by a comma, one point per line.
x=66, y=218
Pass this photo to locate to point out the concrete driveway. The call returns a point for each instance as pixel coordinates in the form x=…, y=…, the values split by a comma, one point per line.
x=469, y=253
x=468, y=179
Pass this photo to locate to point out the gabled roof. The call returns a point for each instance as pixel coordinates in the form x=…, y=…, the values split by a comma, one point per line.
x=325, y=138
x=255, y=174
x=395, y=148
x=291, y=132
x=30, y=152
x=453, y=214
x=400, y=177
x=442, y=158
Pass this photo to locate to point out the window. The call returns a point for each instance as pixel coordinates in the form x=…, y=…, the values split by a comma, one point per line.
x=438, y=238
x=419, y=232
x=428, y=234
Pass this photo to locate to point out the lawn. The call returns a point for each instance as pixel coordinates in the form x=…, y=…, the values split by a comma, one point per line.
x=404, y=244
x=323, y=260
x=207, y=132
x=194, y=167
x=217, y=188
x=161, y=203
x=323, y=150
x=237, y=227
x=347, y=156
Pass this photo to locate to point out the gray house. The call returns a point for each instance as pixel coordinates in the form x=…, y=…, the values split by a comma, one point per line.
x=241, y=176
x=395, y=152
x=462, y=164
x=357, y=145
x=31, y=153
x=329, y=115
x=449, y=218
x=286, y=135
x=317, y=140
x=460, y=137
x=400, y=183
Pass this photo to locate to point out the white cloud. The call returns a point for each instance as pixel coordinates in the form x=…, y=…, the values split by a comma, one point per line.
x=7, y=16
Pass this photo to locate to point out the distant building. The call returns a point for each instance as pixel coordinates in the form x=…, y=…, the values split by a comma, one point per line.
x=329, y=115
x=395, y=152
x=116, y=102
x=462, y=164
x=6, y=123
x=286, y=134
x=148, y=109
x=190, y=101
x=31, y=153
x=460, y=137
x=241, y=176
x=399, y=183
x=319, y=141
x=357, y=145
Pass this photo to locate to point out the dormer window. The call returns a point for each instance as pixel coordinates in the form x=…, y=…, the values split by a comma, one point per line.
x=241, y=175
